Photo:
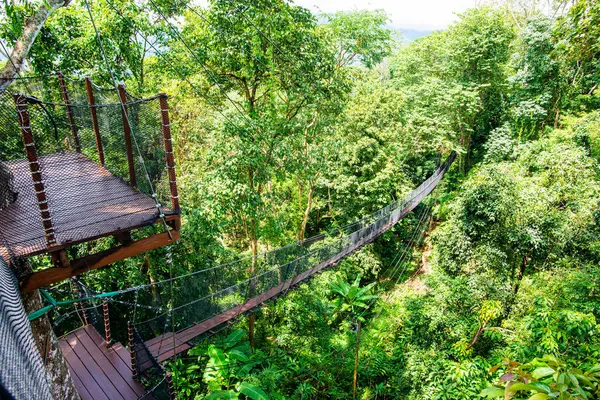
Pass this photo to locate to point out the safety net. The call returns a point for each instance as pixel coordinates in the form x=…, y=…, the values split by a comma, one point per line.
x=171, y=316
x=80, y=164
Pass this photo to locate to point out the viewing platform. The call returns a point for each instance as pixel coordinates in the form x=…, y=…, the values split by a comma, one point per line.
x=84, y=172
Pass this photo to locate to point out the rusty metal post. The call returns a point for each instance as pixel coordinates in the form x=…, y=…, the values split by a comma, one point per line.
x=127, y=133
x=65, y=96
x=106, y=324
x=34, y=167
x=92, y=103
x=171, y=387
x=131, y=341
x=170, y=159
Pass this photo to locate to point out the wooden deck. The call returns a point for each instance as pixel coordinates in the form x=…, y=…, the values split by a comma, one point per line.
x=99, y=373
x=86, y=202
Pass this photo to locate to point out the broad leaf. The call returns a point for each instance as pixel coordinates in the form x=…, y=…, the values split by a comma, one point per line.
x=542, y=372
x=252, y=391
x=222, y=394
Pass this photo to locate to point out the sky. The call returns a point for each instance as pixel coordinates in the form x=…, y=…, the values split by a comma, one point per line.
x=404, y=14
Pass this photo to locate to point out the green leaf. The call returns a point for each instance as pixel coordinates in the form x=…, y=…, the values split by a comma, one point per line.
x=237, y=355
x=542, y=372
x=222, y=394
x=234, y=337
x=541, y=387
x=252, y=391
x=218, y=358
x=539, y=396
x=521, y=386
x=492, y=392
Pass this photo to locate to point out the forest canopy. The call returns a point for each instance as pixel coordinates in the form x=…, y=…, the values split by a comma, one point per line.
x=287, y=124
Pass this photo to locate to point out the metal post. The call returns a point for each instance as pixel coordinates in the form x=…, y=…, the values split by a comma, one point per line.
x=106, y=324
x=65, y=96
x=92, y=102
x=130, y=339
x=127, y=132
x=166, y=130
x=34, y=167
x=170, y=386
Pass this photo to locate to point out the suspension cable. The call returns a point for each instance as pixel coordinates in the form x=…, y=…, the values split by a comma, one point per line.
x=125, y=113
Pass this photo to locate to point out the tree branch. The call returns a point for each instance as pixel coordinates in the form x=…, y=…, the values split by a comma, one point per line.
x=21, y=49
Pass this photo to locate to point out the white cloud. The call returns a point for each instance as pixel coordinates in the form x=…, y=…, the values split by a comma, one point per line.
x=407, y=14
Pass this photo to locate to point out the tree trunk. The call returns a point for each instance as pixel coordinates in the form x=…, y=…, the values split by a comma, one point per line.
x=356, y=360
x=475, y=338
x=252, y=317
x=311, y=190
x=57, y=370
x=7, y=194
x=522, y=269
x=32, y=27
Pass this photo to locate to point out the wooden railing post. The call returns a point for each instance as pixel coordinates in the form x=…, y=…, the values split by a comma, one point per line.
x=65, y=96
x=170, y=159
x=131, y=341
x=106, y=324
x=34, y=167
x=127, y=132
x=92, y=103
x=170, y=386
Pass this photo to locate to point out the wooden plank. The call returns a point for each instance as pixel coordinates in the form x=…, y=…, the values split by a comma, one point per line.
x=77, y=187
x=94, y=369
x=118, y=363
x=80, y=387
x=57, y=274
x=77, y=367
x=99, y=356
x=106, y=219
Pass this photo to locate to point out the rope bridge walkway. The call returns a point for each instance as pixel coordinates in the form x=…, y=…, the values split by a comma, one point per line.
x=171, y=316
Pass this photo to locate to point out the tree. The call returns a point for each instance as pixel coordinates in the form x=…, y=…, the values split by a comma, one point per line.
x=33, y=20
x=359, y=36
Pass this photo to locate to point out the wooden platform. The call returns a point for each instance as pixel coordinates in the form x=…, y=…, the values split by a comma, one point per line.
x=99, y=373
x=86, y=202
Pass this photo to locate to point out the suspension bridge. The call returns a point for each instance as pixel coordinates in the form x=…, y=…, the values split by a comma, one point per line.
x=118, y=151
x=172, y=316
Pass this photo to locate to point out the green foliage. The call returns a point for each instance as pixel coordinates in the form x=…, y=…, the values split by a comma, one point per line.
x=352, y=298
x=360, y=36
x=545, y=378
x=294, y=125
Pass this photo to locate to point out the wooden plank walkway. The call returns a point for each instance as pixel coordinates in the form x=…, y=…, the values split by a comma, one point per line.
x=99, y=372
x=86, y=202
x=164, y=347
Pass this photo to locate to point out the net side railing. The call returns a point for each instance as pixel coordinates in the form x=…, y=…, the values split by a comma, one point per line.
x=177, y=308
x=78, y=169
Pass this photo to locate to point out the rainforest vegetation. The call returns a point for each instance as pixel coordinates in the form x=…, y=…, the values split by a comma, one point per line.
x=489, y=289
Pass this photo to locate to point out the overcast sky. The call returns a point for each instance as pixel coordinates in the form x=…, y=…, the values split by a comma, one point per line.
x=405, y=14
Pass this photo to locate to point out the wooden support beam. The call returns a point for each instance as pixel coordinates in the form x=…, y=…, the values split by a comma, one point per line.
x=35, y=170
x=92, y=102
x=65, y=96
x=123, y=237
x=57, y=274
x=127, y=133
x=169, y=158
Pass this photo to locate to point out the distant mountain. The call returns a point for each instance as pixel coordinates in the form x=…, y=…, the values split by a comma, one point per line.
x=408, y=35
